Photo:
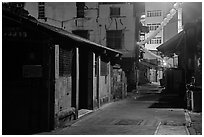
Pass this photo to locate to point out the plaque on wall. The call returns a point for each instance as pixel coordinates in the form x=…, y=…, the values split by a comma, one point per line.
x=32, y=71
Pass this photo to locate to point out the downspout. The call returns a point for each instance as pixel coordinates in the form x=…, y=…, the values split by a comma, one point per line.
x=185, y=57
x=98, y=65
x=98, y=81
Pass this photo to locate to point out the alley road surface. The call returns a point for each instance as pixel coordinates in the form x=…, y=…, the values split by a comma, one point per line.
x=148, y=112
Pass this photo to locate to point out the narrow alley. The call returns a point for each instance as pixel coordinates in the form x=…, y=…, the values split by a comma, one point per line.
x=101, y=68
x=148, y=112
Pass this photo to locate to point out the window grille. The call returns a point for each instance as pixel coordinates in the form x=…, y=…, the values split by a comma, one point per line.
x=104, y=69
x=41, y=10
x=80, y=9
x=154, y=13
x=65, y=62
x=156, y=40
x=114, y=39
x=153, y=26
x=114, y=11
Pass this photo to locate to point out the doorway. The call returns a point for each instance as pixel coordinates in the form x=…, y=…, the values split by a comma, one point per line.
x=85, y=79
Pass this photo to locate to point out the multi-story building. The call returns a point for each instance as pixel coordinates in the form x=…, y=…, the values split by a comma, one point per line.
x=155, y=12
x=119, y=30
x=153, y=19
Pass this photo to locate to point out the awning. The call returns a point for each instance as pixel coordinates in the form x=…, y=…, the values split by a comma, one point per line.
x=149, y=54
x=150, y=63
x=173, y=45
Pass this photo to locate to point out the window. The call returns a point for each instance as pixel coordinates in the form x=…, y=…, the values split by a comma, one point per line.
x=65, y=62
x=153, y=26
x=156, y=40
x=142, y=36
x=104, y=68
x=81, y=33
x=114, y=39
x=41, y=10
x=154, y=13
x=114, y=11
x=80, y=9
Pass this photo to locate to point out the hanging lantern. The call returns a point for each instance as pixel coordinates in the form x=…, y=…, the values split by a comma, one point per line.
x=176, y=5
x=172, y=11
x=160, y=27
x=168, y=16
x=162, y=23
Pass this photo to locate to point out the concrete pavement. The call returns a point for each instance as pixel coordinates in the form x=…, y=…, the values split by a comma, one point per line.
x=195, y=123
x=142, y=113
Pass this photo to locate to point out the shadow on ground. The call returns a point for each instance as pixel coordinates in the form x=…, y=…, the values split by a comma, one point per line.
x=166, y=100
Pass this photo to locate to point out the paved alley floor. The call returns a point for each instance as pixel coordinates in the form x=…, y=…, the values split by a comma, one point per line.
x=142, y=113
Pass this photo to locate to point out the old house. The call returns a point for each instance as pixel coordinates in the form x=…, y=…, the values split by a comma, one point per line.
x=81, y=18
x=112, y=24
x=49, y=74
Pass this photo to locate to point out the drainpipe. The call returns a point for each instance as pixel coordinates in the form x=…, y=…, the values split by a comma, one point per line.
x=77, y=82
x=109, y=81
x=98, y=64
x=98, y=81
x=185, y=57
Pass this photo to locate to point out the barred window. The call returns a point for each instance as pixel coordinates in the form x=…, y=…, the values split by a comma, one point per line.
x=104, y=69
x=114, y=11
x=156, y=40
x=114, y=39
x=153, y=26
x=41, y=10
x=65, y=62
x=154, y=13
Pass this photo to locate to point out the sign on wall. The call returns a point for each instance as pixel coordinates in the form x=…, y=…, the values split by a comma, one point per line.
x=32, y=71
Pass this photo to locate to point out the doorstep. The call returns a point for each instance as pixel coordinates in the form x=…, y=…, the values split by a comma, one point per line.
x=83, y=112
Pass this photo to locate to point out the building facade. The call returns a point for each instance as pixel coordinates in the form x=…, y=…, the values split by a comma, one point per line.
x=57, y=74
x=112, y=24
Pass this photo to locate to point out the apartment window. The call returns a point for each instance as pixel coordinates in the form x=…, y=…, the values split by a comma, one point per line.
x=41, y=10
x=114, y=39
x=153, y=26
x=156, y=40
x=80, y=9
x=114, y=11
x=81, y=33
x=142, y=36
x=154, y=13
